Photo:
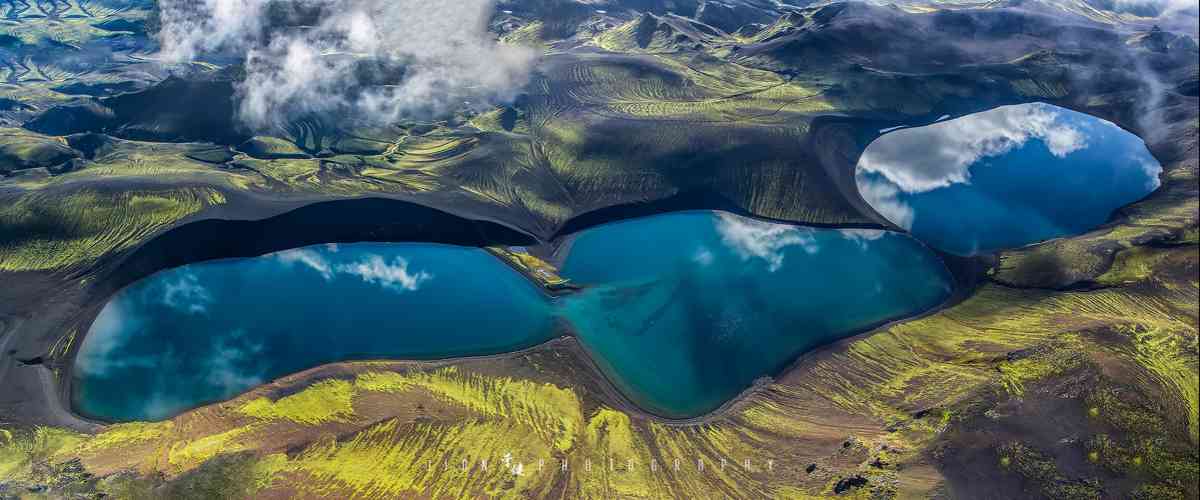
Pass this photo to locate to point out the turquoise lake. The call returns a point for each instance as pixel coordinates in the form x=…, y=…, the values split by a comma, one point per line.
x=684, y=311
x=1005, y=178
x=206, y=332
x=681, y=311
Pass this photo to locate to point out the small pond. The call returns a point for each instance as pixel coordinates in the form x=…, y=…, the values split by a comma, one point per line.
x=208, y=331
x=1005, y=178
x=685, y=310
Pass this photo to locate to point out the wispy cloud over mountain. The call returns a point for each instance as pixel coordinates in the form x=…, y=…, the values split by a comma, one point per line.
x=375, y=60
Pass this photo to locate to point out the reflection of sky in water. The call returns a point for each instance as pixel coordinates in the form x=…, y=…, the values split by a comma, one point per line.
x=683, y=310
x=209, y=331
x=1006, y=177
x=686, y=310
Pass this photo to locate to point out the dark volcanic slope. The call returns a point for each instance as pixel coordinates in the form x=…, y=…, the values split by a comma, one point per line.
x=174, y=110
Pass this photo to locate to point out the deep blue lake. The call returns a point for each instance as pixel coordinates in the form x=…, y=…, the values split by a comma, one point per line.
x=682, y=311
x=685, y=310
x=1005, y=178
x=206, y=332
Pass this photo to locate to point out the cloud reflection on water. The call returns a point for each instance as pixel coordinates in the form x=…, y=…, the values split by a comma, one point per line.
x=750, y=238
x=1006, y=177
x=925, y=158
x=186, y=294
x=373, y=269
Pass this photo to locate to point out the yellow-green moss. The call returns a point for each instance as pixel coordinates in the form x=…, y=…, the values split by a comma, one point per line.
x=187, y=454
x=22, y=449
x=116, y=436
x=325, y=401
x=551, y=411
x=43, y=232
x=391, y=460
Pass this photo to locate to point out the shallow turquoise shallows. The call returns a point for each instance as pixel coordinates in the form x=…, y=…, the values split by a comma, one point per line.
x=684, y=311
x=1005, y=178
x=205, y=332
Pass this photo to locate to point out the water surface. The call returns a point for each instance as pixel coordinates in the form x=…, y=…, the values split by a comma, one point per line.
x=1005, y=178
x=684, y=311
x=206, y=332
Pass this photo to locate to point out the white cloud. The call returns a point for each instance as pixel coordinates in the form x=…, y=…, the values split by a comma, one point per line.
x=862, y=237
x=750, y=238
x=1165, y=8
x=190, y=28
x=112, y=329
x=309, y=258
x=224, y=367
x=394, y=276
x=884, y=197
x=703, y=256
x=371, y=269
x=1152, y=170
x=159, y=405
x=186, y=293
x=377, y=59
x=938, y=155
x=1064, y=140
x=104, y=337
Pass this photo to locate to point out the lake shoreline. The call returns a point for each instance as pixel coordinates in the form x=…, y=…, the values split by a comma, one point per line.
x=611, y=387
x=242, y=206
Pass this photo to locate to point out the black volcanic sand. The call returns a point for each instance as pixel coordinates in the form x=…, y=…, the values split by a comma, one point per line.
x=252, y=224
x=42, y=306
x=199, y=238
